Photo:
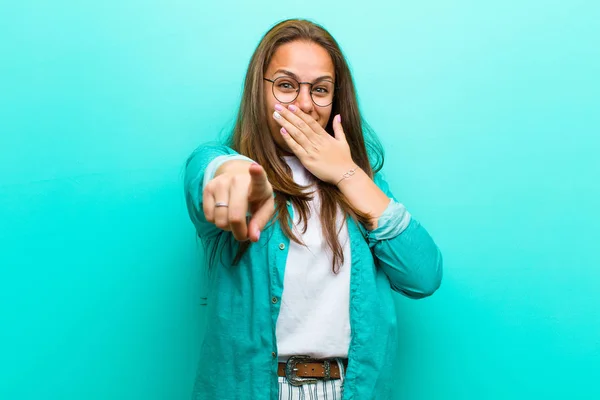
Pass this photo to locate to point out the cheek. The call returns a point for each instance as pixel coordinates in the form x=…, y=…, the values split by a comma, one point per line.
x=269, y=99
x=271, y=123
x=269, y=108
x=324, y=116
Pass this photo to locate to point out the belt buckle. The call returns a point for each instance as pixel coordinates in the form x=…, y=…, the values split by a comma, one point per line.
x=290, y=370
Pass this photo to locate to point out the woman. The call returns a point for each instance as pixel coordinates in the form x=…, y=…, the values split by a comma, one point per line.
x=304, y=241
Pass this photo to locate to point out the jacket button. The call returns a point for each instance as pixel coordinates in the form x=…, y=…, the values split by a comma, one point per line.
x=274, y=354
x=281, y=246
x=274, y=300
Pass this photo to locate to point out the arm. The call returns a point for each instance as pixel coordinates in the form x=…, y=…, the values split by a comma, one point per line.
x=402, y=247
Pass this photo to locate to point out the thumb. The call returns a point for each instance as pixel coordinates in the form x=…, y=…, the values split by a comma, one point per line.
x=338, y=130
x=259, y=184
x=260, y=193
x=260, y=218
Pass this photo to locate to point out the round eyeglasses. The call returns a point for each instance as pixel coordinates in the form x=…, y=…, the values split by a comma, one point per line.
x=286, y=89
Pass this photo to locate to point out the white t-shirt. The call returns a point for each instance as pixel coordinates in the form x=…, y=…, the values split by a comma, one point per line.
x=314, y=317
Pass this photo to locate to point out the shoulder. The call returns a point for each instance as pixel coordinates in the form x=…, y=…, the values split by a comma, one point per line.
x=207, y=152
x=211, y=150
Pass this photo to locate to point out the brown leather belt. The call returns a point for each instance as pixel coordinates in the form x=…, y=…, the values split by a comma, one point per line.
x=310, y=368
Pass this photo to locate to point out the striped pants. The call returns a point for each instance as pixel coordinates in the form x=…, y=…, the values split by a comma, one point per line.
x=322, y=390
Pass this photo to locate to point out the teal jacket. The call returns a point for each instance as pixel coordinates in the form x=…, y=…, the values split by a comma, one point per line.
x=238, y=358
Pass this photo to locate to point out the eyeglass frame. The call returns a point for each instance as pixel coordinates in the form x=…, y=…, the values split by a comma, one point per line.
x=298, y=91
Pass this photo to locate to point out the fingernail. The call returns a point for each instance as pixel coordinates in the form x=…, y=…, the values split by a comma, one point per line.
x=258, y=236
x=276, y=115
x=338, y=118
x=278, y=107
x=292, y=108
x=283, y=131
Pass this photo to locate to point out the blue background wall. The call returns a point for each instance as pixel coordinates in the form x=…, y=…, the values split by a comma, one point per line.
x=489, y=114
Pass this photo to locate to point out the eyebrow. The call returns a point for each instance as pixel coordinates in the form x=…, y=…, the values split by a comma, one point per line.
x=293, y=75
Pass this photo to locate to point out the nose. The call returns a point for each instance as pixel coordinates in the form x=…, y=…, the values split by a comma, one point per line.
x=304, y=100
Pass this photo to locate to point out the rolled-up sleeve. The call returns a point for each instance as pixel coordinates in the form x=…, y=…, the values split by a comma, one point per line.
x=405, y=250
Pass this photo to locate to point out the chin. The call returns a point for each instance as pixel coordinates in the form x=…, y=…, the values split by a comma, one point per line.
x=284, y=148
x=286, y=151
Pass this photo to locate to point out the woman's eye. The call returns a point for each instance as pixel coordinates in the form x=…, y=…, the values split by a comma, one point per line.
x=321, y=90
x=286, y=85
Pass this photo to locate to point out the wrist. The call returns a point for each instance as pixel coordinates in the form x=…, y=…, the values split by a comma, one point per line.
x=233, y=167
x=347, y=175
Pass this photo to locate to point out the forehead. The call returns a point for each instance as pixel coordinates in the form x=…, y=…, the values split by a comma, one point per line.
x=306, y=59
